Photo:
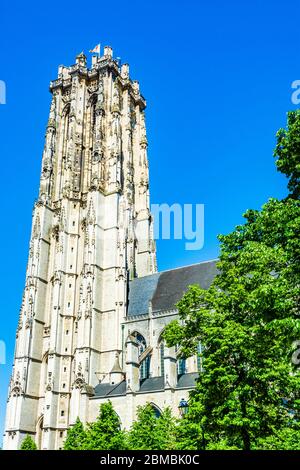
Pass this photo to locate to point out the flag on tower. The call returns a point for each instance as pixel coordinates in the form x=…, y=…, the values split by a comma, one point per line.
x=96, y=49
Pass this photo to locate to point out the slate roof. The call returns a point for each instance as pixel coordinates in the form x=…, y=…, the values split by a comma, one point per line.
x=165, y=289
x=141, y=291
x=187, y=380
x=108, y=390
x=153, y=384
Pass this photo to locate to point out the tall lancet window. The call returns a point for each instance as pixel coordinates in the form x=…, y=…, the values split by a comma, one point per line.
x=66, y=122
x=161, y=358
x=93, y=111
x=145, y=364
x=44, y=373
x=181, y=364
x=200, y=357
x=93, y=136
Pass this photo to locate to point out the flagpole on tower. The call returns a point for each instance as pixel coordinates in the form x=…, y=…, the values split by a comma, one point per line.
x=96, y=50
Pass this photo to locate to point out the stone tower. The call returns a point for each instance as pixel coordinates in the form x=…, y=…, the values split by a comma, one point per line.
x=91, y=233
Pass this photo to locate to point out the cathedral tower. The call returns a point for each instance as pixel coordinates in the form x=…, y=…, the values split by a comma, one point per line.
x=91, y=233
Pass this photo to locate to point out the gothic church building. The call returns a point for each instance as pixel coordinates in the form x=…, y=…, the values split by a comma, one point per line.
x=94, y=306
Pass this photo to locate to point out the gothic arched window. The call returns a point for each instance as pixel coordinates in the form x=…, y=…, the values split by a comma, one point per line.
x=44, y=373
x=118, y=418
x=161, y=358
x=66, y=123
x=145, y=364
x=156, y=410
x=93, y=110
x=200, y=357
x=181, y=364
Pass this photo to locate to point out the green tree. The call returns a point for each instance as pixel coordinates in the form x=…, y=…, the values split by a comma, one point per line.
x=248, y=321
x=28, y=444
x=166, y=428
x=76, y=437
x=287, y=152
x=150, y=432
x=284, y=439
x=105, y=433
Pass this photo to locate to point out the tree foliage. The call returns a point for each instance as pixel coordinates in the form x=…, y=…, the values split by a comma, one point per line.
x=76, y=437
x=248, y=320
x=150, y=432
x=28, y=444
x=287, y=152
x=284, y=439
x=105, y=433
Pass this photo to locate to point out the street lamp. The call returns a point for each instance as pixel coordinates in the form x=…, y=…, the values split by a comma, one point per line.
x=183, y=407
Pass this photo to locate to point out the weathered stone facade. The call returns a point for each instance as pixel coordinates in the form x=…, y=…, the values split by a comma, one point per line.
x=79, y=340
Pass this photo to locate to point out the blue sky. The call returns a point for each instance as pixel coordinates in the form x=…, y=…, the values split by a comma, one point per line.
x=217, y=77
